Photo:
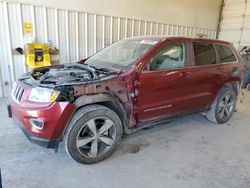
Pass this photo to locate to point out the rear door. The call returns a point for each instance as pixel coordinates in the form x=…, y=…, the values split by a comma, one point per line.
x=206, y=77
x=165, y=86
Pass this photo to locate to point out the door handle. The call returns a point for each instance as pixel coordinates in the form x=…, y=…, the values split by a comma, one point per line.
x=219, y=68
x=184, y=74
x=235, y=71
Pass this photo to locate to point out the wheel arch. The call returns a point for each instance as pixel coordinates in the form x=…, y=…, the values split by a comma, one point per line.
x=102, y=99
x=233, y=85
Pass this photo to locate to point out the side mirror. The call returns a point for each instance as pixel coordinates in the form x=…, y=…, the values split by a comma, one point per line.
x=146, y=68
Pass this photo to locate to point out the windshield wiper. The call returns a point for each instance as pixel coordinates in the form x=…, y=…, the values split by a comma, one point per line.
x=100, y=69
x=103, y=70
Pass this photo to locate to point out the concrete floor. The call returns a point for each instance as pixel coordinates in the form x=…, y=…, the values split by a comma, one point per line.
x=187, y=152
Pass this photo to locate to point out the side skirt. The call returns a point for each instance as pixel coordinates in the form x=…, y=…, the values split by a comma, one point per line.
x=159, y=121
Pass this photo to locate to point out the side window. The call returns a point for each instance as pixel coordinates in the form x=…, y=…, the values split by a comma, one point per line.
x=225, y=53
x=171, y=56
x=204, y=54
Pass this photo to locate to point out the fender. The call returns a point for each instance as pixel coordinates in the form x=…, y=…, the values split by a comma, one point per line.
x=91, y=99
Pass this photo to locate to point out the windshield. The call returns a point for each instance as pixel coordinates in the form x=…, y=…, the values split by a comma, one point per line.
x=122, y=54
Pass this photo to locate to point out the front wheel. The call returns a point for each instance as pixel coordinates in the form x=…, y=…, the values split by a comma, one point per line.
x=93, y=134
x=223, y=107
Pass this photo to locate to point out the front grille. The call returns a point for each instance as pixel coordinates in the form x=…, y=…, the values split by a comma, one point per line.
x=17, y=92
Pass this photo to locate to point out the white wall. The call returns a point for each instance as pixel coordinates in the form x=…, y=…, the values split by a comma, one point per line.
x=79, y=34
x=235, y=23
x=194, y=13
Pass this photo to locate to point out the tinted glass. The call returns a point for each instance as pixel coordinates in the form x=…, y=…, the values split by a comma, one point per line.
x=170, y=57
x=225, y=53
x=204, y=54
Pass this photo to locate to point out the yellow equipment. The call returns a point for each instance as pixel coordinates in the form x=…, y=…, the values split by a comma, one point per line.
x=37, y=55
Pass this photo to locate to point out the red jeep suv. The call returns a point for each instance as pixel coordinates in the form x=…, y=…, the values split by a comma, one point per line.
x=132, y=84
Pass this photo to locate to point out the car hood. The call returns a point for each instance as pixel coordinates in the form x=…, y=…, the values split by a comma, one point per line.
x=66, y=74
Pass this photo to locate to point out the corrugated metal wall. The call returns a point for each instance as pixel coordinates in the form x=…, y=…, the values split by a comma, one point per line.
x=235, y=24
x=77, y=34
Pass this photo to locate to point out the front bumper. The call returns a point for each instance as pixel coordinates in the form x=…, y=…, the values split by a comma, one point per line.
x=54, y=115
x=51, y=144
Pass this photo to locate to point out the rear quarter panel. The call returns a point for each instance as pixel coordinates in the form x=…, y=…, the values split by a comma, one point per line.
x=226, y=70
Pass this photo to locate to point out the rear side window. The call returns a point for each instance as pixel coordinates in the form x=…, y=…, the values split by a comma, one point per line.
x=225, y=53
x=204, y=54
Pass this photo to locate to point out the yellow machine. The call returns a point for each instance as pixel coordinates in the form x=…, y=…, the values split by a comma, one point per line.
x=37, y=55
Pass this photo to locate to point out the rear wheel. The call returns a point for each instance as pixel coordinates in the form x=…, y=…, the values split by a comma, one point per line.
x=223, y=107
x=93, y=134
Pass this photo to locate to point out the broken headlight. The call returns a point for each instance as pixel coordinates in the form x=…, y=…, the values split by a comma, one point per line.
x=40, y=94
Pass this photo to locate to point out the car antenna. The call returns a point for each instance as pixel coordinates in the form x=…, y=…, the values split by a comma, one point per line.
x=201, y=35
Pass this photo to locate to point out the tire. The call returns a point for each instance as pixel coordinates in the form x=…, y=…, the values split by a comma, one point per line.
x=221, y=111
x=93, y=134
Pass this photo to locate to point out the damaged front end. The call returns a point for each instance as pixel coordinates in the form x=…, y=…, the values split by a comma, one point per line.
x=63, y=78
x=82, y=85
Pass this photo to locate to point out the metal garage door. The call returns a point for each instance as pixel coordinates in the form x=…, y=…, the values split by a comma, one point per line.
x=235, y=24
x=76, y=34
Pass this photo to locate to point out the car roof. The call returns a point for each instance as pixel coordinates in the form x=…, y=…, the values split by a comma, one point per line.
x=161, y=38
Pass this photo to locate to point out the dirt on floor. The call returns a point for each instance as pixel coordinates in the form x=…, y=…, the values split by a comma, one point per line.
x=189, y=152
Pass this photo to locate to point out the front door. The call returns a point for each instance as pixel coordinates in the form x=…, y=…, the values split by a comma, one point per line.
x=166, y=86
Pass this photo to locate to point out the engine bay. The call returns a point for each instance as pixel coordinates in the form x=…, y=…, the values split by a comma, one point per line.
x=62, y=75
x=65, y=74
